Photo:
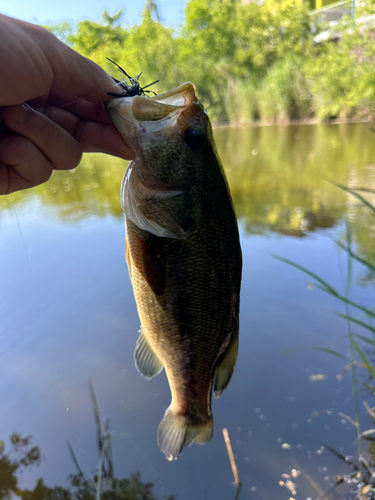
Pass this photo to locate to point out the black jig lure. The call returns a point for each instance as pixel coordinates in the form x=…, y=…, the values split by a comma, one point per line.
x=134, y=88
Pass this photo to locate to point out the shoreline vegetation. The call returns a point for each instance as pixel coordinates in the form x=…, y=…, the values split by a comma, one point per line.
x=251, y=64
x=360, y=334
x=285, y=122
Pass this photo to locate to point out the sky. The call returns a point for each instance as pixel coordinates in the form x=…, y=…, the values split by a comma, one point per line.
x=43, y=11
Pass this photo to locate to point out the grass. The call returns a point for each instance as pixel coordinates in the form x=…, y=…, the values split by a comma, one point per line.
x=365, y=472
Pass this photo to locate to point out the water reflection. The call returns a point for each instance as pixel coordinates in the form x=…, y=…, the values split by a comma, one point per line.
x=22, y=455
x=280, y=186
x=67, y=312
x=276, y=174
x=100, y=483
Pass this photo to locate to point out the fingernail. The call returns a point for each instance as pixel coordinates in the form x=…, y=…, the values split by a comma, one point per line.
x=22, y=113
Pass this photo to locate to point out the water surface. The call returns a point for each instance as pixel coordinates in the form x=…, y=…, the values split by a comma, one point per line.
x=68, y=314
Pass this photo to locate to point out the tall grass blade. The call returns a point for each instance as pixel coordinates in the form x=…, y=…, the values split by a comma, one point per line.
x=340, y=456
x=357, y=322
x=324, y=284
x=96, y=415
x=314, y=348
x=363, y=357
x=349, y=266
x=356, y=195
x=75, y=461
x=109, y=469
x=350, y=335
x=365, y=310
x=366, y=190
x=364, y=339
x=355, y=256
x=326, y=287
x=344, y=297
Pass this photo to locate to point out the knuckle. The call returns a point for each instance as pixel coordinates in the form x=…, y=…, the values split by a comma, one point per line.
x=16, y=116
x=13, y=148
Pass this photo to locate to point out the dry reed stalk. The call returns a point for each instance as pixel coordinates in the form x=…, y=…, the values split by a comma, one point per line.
x=232, y=460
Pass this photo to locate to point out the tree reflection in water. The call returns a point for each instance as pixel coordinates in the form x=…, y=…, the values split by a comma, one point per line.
x=101, y=485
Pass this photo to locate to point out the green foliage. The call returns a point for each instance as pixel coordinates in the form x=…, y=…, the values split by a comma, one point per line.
x=248, y=62
x=22, y=455
x=13, y=462
x=148, y=47
x=275, y=175
x=364, y=321
x=231, y=47
x=101, y=484
x=284, y=93
x=152, y=49
x=269, y=34
x=342, y=73
x=62, y=30
x=100, y=40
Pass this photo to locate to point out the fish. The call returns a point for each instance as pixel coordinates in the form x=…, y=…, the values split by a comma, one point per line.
x=183, y=255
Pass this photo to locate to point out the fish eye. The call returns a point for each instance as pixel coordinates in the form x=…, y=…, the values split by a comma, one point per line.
x=194, y=138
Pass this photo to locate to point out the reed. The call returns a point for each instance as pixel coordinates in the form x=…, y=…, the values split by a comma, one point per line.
x=356, y=315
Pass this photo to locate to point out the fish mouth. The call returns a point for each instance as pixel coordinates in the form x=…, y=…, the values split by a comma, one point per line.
x=162, y=115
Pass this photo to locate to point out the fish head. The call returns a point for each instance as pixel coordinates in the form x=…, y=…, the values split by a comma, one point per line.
x=170, y=133
x=174, y=147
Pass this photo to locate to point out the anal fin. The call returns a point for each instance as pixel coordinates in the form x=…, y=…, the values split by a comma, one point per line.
x=146, y=361
x=225, y=369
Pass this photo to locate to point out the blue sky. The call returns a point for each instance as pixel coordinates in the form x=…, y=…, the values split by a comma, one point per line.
x=43, y=11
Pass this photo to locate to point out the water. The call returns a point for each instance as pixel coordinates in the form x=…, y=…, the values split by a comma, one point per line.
x=68, y=315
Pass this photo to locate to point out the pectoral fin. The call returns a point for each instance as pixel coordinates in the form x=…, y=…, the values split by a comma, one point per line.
x=146, y=361
x=127, y=258
x=225, y=369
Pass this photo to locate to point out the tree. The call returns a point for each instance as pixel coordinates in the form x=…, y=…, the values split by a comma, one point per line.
x=20, y=456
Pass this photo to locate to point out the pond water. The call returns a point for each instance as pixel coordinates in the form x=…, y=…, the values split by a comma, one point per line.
x=68, y=315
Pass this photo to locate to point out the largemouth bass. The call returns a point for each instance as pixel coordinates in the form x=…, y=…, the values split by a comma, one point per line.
x=183, y=255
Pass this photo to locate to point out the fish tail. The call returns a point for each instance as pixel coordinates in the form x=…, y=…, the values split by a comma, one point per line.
x=176, y=431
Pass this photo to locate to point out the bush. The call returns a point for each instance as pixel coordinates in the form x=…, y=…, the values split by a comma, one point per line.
x=248, y=62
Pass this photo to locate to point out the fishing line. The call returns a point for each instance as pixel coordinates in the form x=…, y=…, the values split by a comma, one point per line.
x=151, y=467
x=130, y=436
x=23, y=241
x=73, y=427
x=86, y=97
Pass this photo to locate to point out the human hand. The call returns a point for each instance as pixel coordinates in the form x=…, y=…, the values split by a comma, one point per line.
x=51, y=103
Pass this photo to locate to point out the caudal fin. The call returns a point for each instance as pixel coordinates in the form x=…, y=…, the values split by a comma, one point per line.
x=177, y=431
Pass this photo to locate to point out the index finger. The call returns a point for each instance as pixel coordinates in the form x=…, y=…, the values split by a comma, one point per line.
x=40, y=56
x=81, y=108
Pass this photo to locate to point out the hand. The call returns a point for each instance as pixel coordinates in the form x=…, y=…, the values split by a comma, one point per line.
x=51, y=105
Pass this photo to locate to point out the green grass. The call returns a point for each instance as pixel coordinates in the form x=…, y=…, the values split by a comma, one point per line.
x=357, y=352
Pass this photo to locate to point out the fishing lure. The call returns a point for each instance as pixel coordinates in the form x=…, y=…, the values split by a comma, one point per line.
x=134, y=88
